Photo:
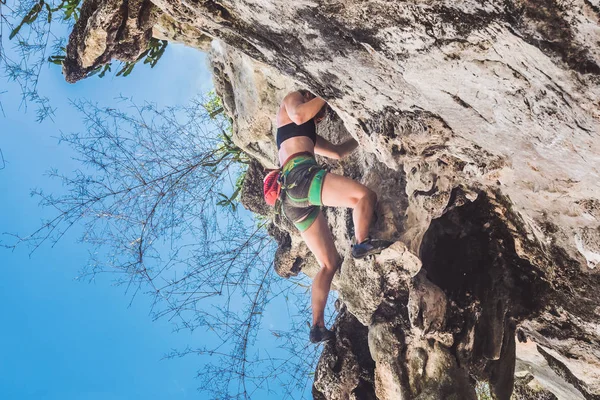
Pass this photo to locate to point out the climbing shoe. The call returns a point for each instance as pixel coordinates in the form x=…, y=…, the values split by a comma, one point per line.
x=369, y=247
x=320, y=334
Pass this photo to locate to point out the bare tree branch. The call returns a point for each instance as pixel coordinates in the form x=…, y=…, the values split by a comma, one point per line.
x=147, y=195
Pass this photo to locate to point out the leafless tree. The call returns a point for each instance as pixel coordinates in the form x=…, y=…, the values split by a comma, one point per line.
x=26, y=27
x=156, y=198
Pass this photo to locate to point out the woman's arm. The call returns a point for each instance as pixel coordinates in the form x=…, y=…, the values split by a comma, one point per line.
x=325, y=148
x=299, y=111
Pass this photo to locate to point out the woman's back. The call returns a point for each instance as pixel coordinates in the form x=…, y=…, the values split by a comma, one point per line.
x=304, y=139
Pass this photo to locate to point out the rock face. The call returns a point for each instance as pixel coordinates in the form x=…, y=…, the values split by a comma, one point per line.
x=106, y=30
x=479, y=127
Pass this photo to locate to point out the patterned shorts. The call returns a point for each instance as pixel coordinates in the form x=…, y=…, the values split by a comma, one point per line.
x=301, y=190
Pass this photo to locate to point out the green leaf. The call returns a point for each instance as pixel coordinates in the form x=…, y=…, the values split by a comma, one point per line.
x=29, y=18
x=126, y=70
x=236, y=193
x=93, y=72
x=15, y=31
x=100, y=69
x=107, y=67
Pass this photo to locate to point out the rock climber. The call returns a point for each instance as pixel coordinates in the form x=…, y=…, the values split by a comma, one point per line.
x=306, y=186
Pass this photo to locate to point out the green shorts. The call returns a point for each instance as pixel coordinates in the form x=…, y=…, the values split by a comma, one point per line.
x=301, y=190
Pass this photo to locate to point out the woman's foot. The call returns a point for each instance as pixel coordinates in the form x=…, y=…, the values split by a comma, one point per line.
x=320, y=334
x=369, y=247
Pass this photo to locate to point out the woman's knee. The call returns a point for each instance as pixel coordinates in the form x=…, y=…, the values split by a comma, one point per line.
x=369, y=196
x=372, y=196
x=365, y=195
x=332, y=264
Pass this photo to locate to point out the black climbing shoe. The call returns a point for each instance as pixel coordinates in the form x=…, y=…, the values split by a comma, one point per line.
x=320, y=334
x=369, y=247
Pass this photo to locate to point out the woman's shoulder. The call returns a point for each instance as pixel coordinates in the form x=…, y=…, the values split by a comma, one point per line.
x=289, y=100
x=296, y=94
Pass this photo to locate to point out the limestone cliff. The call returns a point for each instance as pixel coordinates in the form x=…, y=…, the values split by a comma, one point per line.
x=479, y=127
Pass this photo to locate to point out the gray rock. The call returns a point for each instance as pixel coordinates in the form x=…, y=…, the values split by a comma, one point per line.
x=479, y=129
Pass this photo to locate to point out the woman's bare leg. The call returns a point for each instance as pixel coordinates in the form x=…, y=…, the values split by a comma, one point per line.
x=339, y=191
x=319, y=240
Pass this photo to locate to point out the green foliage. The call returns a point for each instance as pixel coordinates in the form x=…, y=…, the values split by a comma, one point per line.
x=58, y=59
x=29, y=18
x=102, y=69
x=30, y=25
x=69, y=8
x=231, y=201
x=231, y=149
x=261, y=220
x=156, y=49
x=213, y=105
x=228, y=150
x=127, y=68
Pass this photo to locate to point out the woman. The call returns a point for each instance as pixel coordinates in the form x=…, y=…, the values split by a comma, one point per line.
x=306, y=187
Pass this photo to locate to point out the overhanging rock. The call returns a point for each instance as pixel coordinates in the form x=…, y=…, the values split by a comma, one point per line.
x=479, y=129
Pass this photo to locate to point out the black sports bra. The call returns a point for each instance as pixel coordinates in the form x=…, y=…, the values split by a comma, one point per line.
x=291, y=130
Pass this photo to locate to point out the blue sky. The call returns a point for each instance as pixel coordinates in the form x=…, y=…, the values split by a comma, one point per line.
x=61, y=338
x=67, y=339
